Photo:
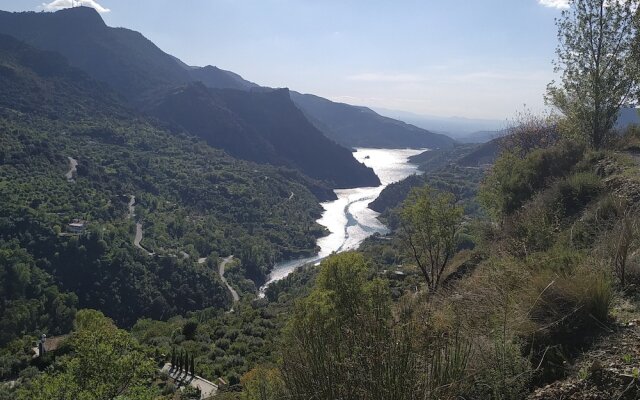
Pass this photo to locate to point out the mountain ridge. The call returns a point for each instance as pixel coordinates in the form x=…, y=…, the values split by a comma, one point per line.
x=358, y=126
x=140, y=71
x=147, y=68
x=263, y=126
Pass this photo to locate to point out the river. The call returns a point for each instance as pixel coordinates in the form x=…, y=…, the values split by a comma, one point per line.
x=348, y=218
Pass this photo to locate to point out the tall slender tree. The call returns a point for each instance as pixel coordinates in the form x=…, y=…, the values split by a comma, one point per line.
x=595, y=56
x=193, y=365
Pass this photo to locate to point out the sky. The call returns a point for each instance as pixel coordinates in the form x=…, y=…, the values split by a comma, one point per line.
x=466, y=58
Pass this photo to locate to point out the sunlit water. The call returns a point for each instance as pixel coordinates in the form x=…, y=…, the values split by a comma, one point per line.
x=349, y=219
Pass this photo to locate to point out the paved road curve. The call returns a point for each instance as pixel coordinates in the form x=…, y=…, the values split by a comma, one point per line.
x=139, y=233
x=73, y=168
x=221, y=268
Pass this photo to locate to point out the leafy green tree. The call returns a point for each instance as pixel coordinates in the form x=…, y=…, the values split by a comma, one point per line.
x=189, y=329
x=106, y=363
x=596, y=59
x=429, y=225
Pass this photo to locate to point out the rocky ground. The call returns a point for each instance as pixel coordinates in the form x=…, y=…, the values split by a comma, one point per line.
x=610, y=369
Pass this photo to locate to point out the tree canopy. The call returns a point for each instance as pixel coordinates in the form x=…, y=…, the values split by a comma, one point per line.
x=598, y=61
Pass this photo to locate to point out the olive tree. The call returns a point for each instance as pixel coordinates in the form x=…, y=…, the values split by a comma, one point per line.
x=595, y=57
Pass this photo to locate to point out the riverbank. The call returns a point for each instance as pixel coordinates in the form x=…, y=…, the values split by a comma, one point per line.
x=348, y=219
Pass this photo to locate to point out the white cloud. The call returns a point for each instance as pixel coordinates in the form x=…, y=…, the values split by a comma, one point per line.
x=555, y=3
x=56, y=5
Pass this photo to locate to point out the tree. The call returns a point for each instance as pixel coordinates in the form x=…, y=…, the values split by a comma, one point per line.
x=193, y=365
x=595, y=57
x=429, y=225
x=173, y=357
x=189, y=329
x=106, y=363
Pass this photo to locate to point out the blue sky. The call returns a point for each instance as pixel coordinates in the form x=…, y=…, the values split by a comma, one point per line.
x=469, y=58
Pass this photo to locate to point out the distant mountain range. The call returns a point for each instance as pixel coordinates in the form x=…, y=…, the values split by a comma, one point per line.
x=156, y=82
x=355, y=126
x=248, y=124
x=466, y=130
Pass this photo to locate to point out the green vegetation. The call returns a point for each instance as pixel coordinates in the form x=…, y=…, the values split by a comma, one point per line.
x=341, y=342
x=524, y=287
x=429, y=229
x=192, y=201
x=104, y=362
x=598, y=59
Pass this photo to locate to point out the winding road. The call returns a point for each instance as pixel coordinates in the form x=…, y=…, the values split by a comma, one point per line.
x=139, y=233
x=221, y=268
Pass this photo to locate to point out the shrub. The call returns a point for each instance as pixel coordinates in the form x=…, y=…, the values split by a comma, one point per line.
x=514, y=180
x=575, y=192
x=502, y=372
x=567, y=310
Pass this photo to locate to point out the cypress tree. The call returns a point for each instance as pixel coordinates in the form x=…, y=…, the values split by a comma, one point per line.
x=193, y=365
x=173, y=357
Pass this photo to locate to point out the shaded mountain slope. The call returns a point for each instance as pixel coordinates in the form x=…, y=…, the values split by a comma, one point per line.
x=125, y=59
x=215, y=77
x=264, y=126
x=120, y=57
x=354, y=126
x=464, y=155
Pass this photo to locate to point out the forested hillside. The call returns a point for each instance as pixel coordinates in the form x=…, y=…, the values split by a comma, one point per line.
x=192, y=201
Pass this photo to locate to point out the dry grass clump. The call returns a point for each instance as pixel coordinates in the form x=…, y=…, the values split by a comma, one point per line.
x=526, y=317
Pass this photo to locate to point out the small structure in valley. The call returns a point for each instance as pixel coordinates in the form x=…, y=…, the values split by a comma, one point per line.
x=77, y=226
